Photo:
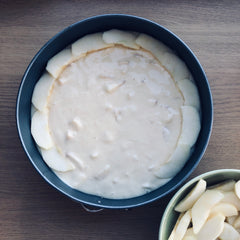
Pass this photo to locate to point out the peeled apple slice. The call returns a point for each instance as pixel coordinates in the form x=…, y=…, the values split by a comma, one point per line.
x=41, y=91
x=229, y=233
x=236, y=222
x=175, y=162
x=192, y=197
x=237, y=189
x=33, y=110
x=230, y=197
x=224, y=186
x=202, y=207
x=226, y=209
x=56, y=161
x=190, y=126
x=183, y=224
x=190, y=235
x=176, y=67
x=231, y=219
x=89, y=43
x=212, y=228
x=172, y=235
x=156, y=47
x=40, y=130
x=190, y=93
x=124, y=38
x=57, y=63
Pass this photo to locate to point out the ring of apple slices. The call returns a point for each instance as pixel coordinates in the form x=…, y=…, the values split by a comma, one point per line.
x=97, y=41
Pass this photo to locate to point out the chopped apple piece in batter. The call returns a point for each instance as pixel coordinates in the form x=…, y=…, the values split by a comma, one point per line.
x=111, y=87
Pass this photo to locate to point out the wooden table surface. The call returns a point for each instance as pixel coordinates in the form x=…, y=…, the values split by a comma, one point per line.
x=29, y=207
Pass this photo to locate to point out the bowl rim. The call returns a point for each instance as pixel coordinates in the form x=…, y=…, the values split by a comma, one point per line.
x=136, y=201
x=181, y=191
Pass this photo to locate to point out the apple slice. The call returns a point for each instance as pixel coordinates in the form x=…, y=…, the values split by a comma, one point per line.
x=229, y=233
x=226, y=209
x=172, y=235
x=89, y=43
x=202, y=207
x=230, y=197
x=57, y=63
x=225, y=186
x=33, y=110
x=41, y=91
x=156, y=47
x=124, y=38
x=236, y=222
x=56, y=161
x=112, y=87
x=190, y=235
x=212, y=228
x=175, y=162
x=175, y=66
x=40, y=130
x=237, y=189
x=76, y=160
x=190, y=126
x=190, y=93
x=182, y=226
x=187, y=203
x=231, y=219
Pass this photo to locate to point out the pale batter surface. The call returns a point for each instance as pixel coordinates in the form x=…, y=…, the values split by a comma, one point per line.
x=116, y=115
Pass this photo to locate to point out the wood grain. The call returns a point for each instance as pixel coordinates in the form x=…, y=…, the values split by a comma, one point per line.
x=29, y=207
